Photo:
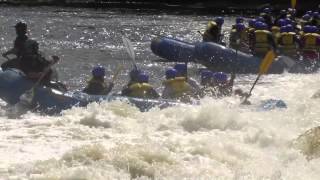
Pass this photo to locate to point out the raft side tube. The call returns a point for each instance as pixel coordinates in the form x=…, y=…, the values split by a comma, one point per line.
x=220, y=58
x=173, y=50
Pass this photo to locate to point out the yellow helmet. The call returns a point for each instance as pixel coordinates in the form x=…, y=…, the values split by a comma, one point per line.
x=212, y=24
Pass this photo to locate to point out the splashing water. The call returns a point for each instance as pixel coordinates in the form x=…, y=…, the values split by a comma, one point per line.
x=218, y=139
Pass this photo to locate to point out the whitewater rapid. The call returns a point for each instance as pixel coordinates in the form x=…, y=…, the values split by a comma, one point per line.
x=218, y=139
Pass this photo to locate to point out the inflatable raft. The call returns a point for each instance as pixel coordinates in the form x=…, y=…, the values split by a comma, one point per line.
x=13, y=84
x=217, y=57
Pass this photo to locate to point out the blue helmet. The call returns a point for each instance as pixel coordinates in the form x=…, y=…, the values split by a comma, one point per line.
x=252, y=22
x=239, y=20
x=220, y=77
x=206, y=74
x=267, y=10
x=171, y=73
x=143, y=78
x=134, y=73
x=289, y=28
x=262, y=26
x=258, y=25
x=306, y=17
x=240, y=27
x=307, y=29
x=283, y=11
x=261, y=19
x=98, y=71
x=181, y=68
x=283, y=29
x=219, y=20
x=314, y=29
x=288, y=21
x=315, y=14
x=309, y=12
x=282, y=22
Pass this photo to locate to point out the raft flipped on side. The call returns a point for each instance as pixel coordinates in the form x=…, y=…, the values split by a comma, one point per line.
x=214, y=56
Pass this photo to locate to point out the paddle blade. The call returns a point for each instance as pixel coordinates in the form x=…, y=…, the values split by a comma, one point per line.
x=129, y=47
x=266, y=62
x=293, y=3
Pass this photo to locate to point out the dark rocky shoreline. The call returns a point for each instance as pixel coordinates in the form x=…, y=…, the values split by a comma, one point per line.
x=191, y=6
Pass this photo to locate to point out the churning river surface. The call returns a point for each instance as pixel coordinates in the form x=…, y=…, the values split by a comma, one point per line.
x=215, y=140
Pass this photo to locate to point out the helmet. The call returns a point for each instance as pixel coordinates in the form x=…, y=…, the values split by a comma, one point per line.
x=306, y=17
x=240, y=27
x=283, y=29
x=21, y=25
x=219, y=20
x=143, y=78
x=292, y=11
x=171, y=73
x=289, y=28
x=252, y=22
x=307, y=29
x=288, y=20
x=315, y=14
x=267, y=10
x=262, y=26
x=309, y=12
x=134, y=74
x=98, y=71
x=220, y=77
x=314, y=29
x=181, y=68
x=261, y=19
x=211, y=24
x=283, y=11
x=281, y=22
x=206, y=74
x=239, y=20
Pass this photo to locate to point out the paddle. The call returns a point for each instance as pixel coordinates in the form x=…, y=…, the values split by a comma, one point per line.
x=127, y=43
x=264, y=66
x=293, y=4
x=27, y=97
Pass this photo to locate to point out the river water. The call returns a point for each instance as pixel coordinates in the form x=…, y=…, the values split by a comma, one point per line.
x=215, y=140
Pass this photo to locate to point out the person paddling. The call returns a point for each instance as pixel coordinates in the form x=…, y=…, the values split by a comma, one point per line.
x=175, y=87
x=140, y=87
x=18, y=47
x=97, y=85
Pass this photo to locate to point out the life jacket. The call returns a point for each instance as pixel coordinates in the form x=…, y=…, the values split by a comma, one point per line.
x=243, y=37
x=95, y=87
x=318, y=22
x=261, y=41
x=178, y=87
x=251, y=37
x=275, y=30
x=309, y=41
x=139, y=90
x=29, y=48
x=287, y=42
x=212, y=33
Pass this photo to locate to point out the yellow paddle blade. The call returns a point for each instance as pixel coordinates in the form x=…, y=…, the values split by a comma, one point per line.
x=293, y=3
x=266, y=62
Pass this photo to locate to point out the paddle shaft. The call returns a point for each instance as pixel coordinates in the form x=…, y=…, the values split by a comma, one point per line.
x=255, y=82
x=116, y=74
